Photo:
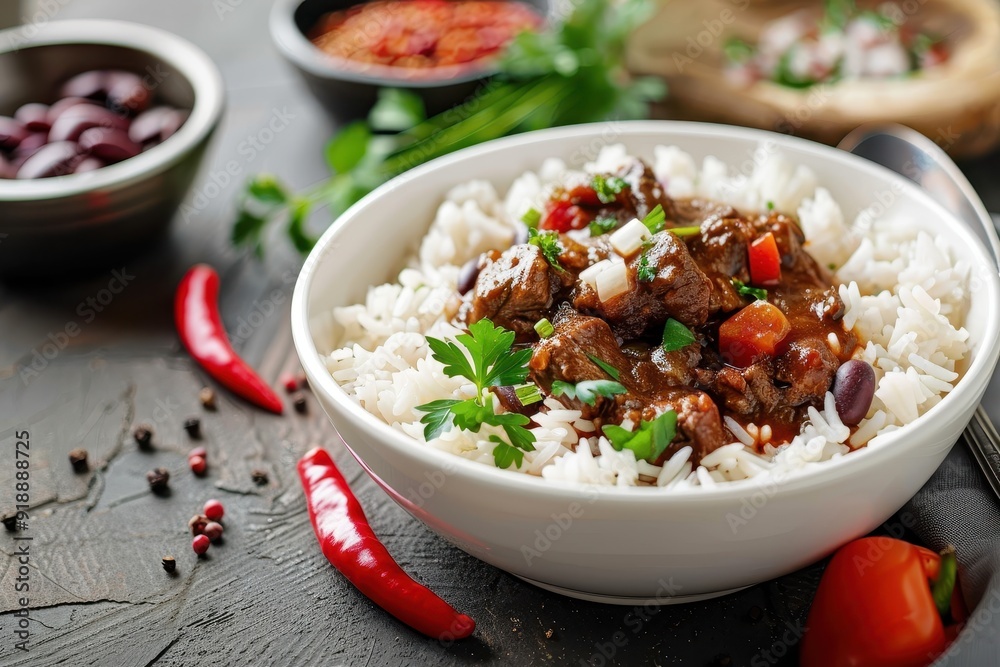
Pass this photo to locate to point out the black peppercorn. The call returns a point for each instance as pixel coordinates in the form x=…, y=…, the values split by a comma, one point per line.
x=299, y=402
x=78, y=459
x=169, y=564
x=143, y=435
x=158, y=479
x=193, y=427
x=259, y=476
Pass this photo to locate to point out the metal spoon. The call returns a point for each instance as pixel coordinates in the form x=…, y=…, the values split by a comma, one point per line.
x=911, y=154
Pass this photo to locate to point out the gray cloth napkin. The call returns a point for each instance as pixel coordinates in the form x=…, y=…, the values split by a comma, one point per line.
x=957, y=507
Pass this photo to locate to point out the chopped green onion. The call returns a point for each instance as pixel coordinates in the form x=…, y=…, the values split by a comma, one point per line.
x=686, y=231
x=655, y=219
x=676, y=335
x=607, y=189
x=544, y=328
x=747, y=291
x=606, y=367
x=602, y=226
x=531, y=217
x=528, y=394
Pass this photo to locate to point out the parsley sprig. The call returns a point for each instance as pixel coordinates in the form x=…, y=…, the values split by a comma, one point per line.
x=648, y=441
x=602, y=225
x=548, y=243
x=486, y=361
x=607, y=187
x=645, y=272
x=588, y=390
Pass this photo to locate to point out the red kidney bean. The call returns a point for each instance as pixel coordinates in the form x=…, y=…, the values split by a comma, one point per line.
x=34, y=116
x=468, y=275
x=126, y=91
x=12, y=132
x=58, y=108
x=157, y=124
x=30, y=145
x=89, y=84
x=88, y=164
x=53, y=159
x=75, y=120
x=853, y=390
x=7, y=169
x=108, y=144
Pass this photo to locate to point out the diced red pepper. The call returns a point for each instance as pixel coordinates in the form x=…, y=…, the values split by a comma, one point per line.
x=765, y=261
x=562, y=216
x=757, y=330
x=583, y=194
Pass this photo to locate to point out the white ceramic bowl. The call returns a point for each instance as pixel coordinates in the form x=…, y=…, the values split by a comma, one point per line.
x=625, y=544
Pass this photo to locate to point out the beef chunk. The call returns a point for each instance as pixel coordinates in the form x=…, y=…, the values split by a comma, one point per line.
x=679, y=289
x=808, y=367
x=515, y=289
x=721, y=252
x=698, y=422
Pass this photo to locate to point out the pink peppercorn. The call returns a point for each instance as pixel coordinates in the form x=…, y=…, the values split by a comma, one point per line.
x=198, y=465
x=214, y=510
x=200, y=544
x=198, y=451
x=213, y=530
x=289, y=382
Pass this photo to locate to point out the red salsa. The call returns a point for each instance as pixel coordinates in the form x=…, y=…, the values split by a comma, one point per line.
x=420, y=35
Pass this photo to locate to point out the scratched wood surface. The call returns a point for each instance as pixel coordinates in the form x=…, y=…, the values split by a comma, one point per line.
x=265, y=596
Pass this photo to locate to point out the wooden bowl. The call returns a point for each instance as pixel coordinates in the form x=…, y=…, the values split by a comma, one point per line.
x=956, y=104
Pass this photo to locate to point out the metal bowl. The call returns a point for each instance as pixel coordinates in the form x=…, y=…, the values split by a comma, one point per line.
x=348, y=93
x=84, y=221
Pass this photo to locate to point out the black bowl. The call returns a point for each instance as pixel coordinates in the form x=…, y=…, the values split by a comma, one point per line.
x=348, y=93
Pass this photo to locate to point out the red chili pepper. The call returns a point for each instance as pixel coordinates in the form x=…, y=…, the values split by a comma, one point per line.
x=351, y=546
x=880, y=604
x=765, y=261
x=196, y=312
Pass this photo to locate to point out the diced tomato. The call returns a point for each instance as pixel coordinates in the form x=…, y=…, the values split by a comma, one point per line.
x=562, y=216
x=755, y=331
x=584, y=195
x=765, y=261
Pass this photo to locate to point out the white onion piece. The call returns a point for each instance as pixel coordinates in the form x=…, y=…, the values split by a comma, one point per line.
x=612, y=281
x=629, y=238
x=589, y=274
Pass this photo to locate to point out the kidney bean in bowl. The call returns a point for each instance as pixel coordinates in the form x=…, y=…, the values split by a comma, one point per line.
x=100, y=117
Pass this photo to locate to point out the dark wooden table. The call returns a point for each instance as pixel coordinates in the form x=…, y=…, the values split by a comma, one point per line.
x=81, y=365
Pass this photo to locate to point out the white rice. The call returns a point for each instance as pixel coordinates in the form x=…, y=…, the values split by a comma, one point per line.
x=904, y=294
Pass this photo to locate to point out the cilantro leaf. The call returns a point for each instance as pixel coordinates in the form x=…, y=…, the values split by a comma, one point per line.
x=751, y=292
x=451, y=355
x=588, y=390
x=602, y=225
x=655, y=220
x=505, y=455
x=438, y=417
x=513, y=424
x=606, y=367
x=607, y=188
x=645, y=272
x=649, y=441
x=548, y=243
x=676, y=335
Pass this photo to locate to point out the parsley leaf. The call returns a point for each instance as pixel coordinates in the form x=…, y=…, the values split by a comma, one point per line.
x=747, y=291
x=548, y=243
x=487, y=361
x=589, y=390
x=606, y=367
x=676, y=335
x=602, y=225
x=649, y=441
x=607, y=188
x=655, y=220
x=645, y=272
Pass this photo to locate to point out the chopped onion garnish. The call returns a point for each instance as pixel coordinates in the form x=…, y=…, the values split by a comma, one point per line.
x=629, y=238
x=544, y=328
x=589, y=274
x=612, y=281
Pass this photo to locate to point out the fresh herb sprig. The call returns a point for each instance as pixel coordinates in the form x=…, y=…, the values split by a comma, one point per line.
x=676, y=335
x=602, y=225
x=487, y=360
x=573, y=73
x=588, y=390
x=607, y=187
x=548, y=243
x=648, y=441
x=744, y=290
